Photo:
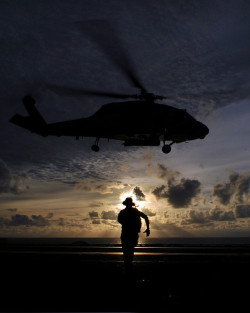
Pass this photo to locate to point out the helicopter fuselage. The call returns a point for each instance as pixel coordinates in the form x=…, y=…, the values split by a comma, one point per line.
x=134, y=120
x=137, y=123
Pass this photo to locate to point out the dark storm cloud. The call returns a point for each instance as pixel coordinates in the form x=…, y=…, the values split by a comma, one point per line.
x=223, y=193
x=25, y=220
x=242, y=185
x=160, y=192
x=242, y=210
x=237, y=188
x=180, y=194
x=10, y=183
x=140, y=196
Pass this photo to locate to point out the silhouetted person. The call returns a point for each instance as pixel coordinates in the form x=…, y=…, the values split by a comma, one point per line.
x=130, y=218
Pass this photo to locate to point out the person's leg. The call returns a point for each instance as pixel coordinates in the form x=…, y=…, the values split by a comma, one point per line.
x=128, y=246
x=130, y=253
x=128, y=256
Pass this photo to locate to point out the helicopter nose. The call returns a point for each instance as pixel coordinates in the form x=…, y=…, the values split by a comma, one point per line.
x=203, y=130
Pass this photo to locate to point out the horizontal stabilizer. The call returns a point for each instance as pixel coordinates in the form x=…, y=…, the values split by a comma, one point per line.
x=20, y=120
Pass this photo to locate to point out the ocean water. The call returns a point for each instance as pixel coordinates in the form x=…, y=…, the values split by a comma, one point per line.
x=143, y=241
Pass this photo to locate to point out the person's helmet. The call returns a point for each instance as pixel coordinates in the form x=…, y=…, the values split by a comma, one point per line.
x=128, y=201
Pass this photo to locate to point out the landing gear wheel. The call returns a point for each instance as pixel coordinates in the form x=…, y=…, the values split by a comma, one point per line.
x=95, y=148
x=166, y=148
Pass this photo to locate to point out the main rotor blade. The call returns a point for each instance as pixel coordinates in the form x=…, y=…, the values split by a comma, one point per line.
x=71, y=91
x=104, y=35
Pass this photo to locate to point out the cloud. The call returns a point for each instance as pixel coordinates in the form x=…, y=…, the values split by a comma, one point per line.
x=112, y=224
x=96, y=204
x=39, y=220
x=168, y=229
x=12, y=209
x=4, y=221
x=166, y=173
x=109, y=215
x=80, y=169
x=241, y=184
x=25, y=220
x=148, y=212
x=223, y=193
x=208, y=216
x=93, y=214
x=159, y=170
x=147, y=156
x=196, y=217
x=138, y=194
x=10, y=183
x=20, y=219
x=237, y=188
x=180, y=194
x=160, y=192
x=217, y=214
x=242, y=210
x=61, y=221
x=96, y=221
x=5, y=177
x=106, y=217
x=89, y=185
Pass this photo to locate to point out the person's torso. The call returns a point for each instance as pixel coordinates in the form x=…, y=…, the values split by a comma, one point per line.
x=131, y=220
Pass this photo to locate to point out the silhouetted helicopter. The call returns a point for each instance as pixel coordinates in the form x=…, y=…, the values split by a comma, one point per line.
x=140, y=122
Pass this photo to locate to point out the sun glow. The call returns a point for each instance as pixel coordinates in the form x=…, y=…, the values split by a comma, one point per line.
x=139, y=204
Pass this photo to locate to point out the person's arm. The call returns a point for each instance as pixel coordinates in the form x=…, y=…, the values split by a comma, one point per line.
x=119, y=218
x=147, y=231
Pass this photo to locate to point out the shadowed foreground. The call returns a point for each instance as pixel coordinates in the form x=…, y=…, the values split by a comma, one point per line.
x=197, y=279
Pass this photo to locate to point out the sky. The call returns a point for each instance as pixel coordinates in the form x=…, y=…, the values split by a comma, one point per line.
x=59, y=187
